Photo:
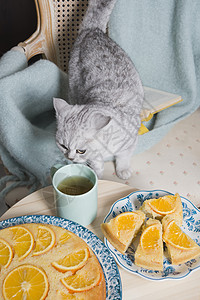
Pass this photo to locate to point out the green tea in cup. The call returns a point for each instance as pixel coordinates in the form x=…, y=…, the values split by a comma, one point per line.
x=75, y=185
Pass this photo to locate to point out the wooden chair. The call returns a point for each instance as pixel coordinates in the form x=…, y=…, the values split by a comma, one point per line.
x=57, y=27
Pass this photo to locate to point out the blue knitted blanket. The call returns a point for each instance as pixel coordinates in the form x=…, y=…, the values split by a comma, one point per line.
x=27, y=121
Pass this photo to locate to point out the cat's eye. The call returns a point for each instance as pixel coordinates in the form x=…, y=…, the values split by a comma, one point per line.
x=63, y=146
x=80, y=151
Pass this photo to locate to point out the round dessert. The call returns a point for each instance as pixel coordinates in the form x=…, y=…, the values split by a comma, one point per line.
x=48, y=262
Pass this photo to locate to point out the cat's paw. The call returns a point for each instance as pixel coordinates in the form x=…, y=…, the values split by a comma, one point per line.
x=99, y=172
x=124, y=174
x=98, y=168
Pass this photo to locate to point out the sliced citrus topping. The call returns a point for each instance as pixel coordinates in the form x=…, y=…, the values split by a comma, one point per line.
x=122, y=229
x=73, y=261
x=163, y=205
x=83, y=280
x=26, y=282
x=65, y=236
x=23, y=241
x=177, y=238
x=6, y=254
x=45, y=240
x=64, y=296
x=150, y=238
x=125, y=222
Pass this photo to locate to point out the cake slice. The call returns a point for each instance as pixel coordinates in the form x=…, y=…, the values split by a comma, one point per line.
x=149, y=253
x=180, y=246
x=121, y=230
x=167, y=205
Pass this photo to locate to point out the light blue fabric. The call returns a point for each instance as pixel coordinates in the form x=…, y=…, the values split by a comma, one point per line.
x=27, y=121
x=163, y=40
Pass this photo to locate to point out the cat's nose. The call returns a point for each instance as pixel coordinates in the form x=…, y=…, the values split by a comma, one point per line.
x=71, y=158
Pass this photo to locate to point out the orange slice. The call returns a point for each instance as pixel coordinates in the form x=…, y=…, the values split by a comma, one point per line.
x=6, y=254
x=163, y=205
x=64, y=237
x=177, y=238
x=83, y=280
x=125, y=221
x=26, y=282
x=45, y=240
x=73, y=261
x=150, y=238
x=64, y=296
x=23, y=241
x=121, y=230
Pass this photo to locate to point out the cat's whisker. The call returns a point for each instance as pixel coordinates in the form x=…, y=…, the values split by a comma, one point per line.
x=87, y=164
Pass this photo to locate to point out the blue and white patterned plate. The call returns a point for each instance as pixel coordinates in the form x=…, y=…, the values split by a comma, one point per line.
x=191, y=226
x=110, y=269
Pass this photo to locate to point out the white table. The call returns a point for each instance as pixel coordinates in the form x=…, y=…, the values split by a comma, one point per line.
x=133, y=286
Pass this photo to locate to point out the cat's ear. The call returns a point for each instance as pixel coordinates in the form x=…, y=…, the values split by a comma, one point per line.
x=59, y=105
x=100, y=121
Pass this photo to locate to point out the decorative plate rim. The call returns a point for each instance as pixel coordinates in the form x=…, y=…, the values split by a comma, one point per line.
x=84, y=233
x=116, y=257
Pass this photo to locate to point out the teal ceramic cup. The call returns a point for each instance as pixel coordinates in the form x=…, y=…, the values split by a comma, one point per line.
x=79, y=208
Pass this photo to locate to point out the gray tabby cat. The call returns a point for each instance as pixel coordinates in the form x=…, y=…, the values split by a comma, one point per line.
x=102, y=117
